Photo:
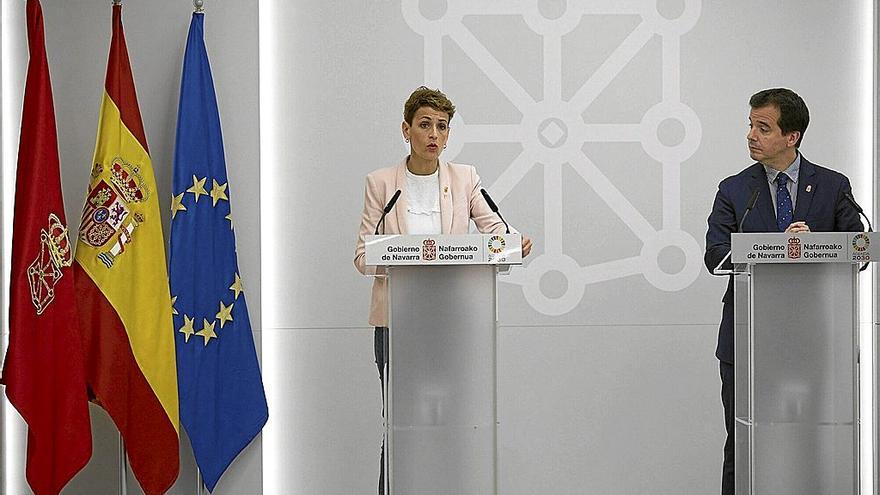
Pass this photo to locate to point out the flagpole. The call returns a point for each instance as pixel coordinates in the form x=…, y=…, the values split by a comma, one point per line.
x=199, y=8
x=123, y=458
x=123, y=466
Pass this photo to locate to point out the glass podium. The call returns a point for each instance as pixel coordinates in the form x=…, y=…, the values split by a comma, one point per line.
x=441, y=392
x=796, y=347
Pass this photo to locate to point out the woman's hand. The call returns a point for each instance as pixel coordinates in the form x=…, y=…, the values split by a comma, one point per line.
x=526, y=246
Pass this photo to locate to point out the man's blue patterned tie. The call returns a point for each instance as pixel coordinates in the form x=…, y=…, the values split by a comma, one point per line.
x=784, y=213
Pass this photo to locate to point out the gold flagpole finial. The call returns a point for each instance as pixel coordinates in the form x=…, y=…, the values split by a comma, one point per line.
x=199, y=6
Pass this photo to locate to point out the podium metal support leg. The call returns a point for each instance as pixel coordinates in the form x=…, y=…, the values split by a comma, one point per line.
x=200, y=483
x=123, y=468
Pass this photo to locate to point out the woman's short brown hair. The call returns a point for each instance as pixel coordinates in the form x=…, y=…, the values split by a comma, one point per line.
x=426, y=97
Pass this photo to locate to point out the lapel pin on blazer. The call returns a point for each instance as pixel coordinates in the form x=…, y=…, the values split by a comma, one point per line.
x=809, y=187
x=445, y=189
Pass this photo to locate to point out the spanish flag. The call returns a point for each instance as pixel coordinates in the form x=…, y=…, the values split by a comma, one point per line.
x=121, y=281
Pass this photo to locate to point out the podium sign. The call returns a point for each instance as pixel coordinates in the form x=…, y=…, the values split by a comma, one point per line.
x=809, y=247
x=444, y=249
x=796, y=347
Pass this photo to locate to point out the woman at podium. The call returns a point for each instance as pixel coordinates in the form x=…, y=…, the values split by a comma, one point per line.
x=424, y=195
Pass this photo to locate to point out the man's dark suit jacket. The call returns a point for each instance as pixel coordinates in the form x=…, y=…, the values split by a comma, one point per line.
x=820, y=203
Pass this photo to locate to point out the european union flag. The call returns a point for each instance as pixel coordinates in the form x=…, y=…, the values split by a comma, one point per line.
x=222, y=402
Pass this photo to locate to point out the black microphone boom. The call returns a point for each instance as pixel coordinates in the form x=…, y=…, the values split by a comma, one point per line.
x=751, y=204
x=387, y=209
x=494, y=208
x=721, y=267
x=848, y=195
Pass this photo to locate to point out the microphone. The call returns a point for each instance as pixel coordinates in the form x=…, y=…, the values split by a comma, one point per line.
x=494, y=208
x=751, y=204
x=848, y=195
x=387, y=209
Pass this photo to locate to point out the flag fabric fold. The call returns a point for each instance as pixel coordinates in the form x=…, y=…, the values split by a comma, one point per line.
x=222, y=400
x=43, y=370
x=122, y=284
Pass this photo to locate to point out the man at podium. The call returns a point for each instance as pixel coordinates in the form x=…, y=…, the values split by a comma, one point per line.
x=781, y=192
x=427, y=196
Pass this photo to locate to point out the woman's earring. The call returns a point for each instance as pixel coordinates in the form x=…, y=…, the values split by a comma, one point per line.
x=444, y=146
x=407, y=140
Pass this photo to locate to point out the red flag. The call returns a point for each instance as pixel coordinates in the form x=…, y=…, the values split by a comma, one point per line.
x=43, y=371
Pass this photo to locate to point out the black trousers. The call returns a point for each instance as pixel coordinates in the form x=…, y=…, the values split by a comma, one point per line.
x=380, y=349
x=727, y=399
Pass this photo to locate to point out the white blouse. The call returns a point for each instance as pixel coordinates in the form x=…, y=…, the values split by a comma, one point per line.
x=423, y=203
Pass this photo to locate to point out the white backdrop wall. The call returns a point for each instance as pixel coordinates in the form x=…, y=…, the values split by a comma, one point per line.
x=875, y=328
x=602, y=130
x=78, y=41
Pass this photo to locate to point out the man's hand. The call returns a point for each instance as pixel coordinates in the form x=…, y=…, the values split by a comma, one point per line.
x=797, y=227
